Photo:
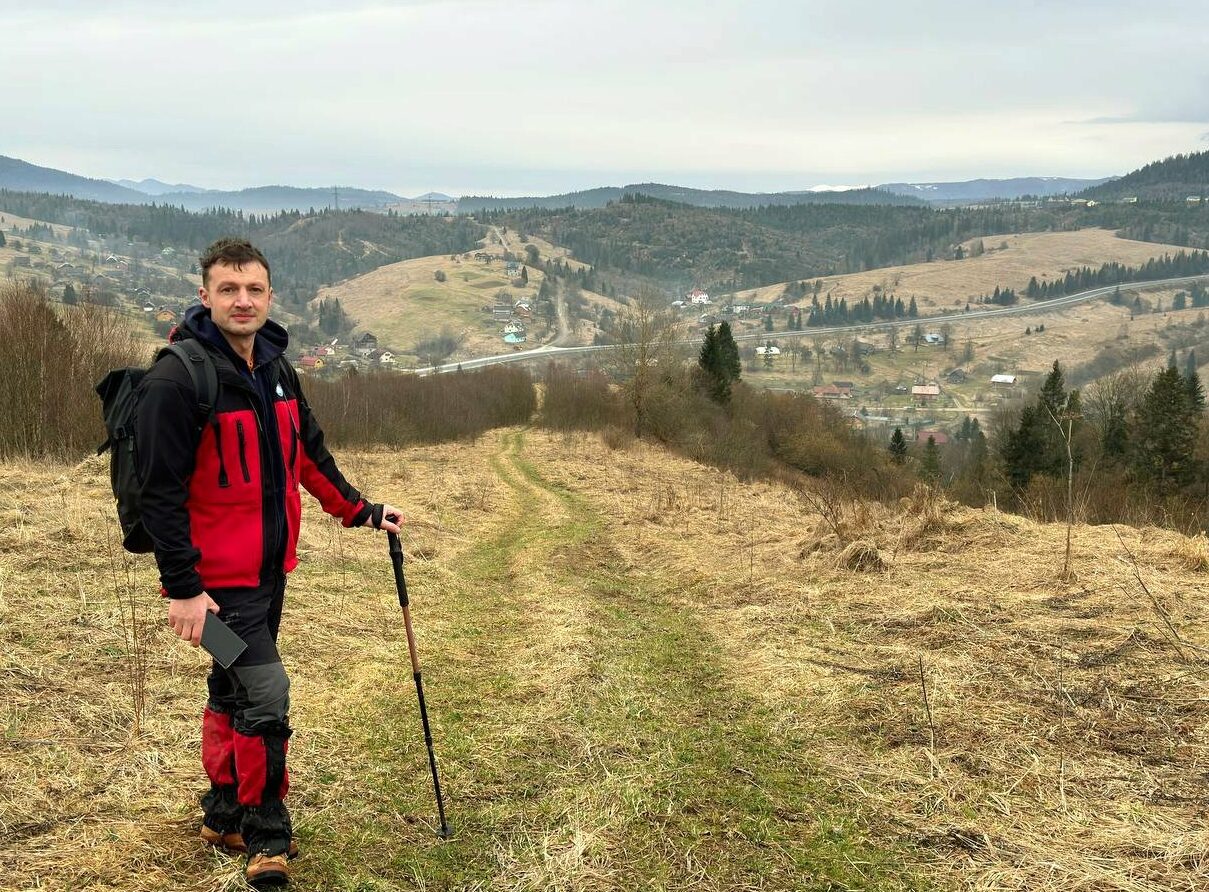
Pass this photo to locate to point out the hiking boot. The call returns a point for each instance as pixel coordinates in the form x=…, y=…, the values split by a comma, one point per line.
x=233, y=842
x=265, y=871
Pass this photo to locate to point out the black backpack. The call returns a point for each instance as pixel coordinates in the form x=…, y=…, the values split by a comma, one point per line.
x=119, y=403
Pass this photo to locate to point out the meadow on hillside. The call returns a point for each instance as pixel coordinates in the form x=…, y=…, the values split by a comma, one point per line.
x=641, y=673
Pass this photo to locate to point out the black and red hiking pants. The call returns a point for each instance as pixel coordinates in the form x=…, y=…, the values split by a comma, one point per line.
x=245, y=726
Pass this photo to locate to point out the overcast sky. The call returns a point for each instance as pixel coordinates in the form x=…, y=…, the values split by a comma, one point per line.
x=544, y=96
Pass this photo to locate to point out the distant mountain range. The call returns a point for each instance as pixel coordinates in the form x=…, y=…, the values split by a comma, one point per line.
x=714, y=198
x=155, y=187
x=21, y=176
x=989, y=190
x=1172, y=178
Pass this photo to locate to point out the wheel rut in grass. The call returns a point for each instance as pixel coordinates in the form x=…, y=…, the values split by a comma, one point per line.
x=588, y=737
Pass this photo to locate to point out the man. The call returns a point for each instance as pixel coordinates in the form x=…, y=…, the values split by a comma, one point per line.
x=220, y=498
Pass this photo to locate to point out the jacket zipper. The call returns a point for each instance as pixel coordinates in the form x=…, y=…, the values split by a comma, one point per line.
x=273, y=551
x=243, y=458
x=294, y=442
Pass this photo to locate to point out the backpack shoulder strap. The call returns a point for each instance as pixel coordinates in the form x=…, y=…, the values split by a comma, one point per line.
x=202, y=370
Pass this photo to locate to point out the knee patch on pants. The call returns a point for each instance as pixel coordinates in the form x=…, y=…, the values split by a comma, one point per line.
x=264, y=695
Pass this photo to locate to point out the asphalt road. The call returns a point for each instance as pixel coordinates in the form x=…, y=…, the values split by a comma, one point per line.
x=549, y=351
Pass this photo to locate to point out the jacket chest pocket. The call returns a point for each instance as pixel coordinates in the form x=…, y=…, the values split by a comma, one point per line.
x=230, y=467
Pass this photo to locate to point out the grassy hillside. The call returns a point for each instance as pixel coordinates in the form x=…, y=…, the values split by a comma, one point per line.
x=641, y=674
x=403, y=303
x=1008, y=261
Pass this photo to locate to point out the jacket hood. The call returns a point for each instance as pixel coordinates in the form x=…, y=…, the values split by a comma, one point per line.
x=270, y=342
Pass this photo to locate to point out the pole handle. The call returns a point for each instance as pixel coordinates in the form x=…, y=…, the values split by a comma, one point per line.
x=396, y=560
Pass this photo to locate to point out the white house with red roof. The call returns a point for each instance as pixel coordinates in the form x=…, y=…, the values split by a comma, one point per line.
x=697, y=296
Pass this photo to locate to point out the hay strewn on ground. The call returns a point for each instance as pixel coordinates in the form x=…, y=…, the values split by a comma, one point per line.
x=1063, y=745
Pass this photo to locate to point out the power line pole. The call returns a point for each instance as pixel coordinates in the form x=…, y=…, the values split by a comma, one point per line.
x=336, y=198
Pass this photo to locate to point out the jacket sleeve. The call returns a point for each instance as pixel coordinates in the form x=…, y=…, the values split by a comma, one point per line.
x=166, y=440
x=320, y=475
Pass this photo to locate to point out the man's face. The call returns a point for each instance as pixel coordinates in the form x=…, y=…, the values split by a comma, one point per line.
x=238, y=298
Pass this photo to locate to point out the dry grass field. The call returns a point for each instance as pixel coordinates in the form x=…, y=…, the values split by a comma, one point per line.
x=949, y=283
x=8, y=221
x=641, y=673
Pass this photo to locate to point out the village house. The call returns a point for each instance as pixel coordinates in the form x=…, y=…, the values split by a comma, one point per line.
x=514, y=328
x=382, y=357
x=1003, y=380
x=956, y=376
x=925, y=393
x=697, y=296
x=310, y=363
x=940, y=438
x=832, y=392
x=365, y=343
x=165, y=315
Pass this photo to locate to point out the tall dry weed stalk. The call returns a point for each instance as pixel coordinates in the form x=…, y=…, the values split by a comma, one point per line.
x=136, y=629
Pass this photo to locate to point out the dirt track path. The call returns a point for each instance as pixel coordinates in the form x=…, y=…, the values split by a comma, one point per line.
x=586, y=726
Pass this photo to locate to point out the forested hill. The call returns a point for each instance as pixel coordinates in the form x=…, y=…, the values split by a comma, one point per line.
x=22, y=176
x=727, y=249
x=305, y=250
x=1173, y=178
x=267, y=199
x=706, y=198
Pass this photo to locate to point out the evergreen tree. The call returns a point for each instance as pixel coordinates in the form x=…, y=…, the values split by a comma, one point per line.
x=1164, y=433
x=2, y=240
x=717, y=383
x=1192, y=383
x=913, y=309
x=930, y=465
x=1037, y=445
x=732, y=365
x=69, y=294
x=898, y=447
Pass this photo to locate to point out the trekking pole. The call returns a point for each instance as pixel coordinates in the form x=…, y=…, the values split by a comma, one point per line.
x=396, y=558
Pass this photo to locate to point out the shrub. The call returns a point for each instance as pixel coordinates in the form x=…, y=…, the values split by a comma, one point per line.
x=399, y=409
x=49, y=364
x=574, y=401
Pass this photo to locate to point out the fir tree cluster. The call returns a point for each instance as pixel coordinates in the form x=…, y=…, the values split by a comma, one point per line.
x=718, y=364
x=866, y=310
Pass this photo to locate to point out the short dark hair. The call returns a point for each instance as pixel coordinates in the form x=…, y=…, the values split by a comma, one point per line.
x=236, y=252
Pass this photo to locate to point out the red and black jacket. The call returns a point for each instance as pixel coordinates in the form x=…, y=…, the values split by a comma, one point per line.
x=220, y=497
